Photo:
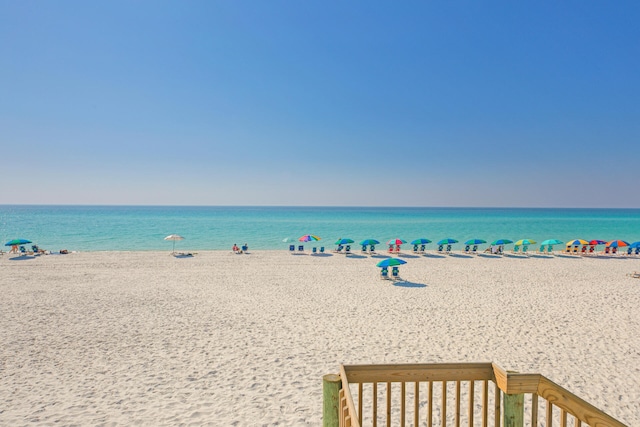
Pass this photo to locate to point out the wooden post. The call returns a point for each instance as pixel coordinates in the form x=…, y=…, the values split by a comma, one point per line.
x=331, y=385
x=513, y=410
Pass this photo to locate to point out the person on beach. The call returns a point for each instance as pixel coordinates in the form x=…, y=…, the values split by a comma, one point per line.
x=236, y=249
x=14, y=249
x=245, y=247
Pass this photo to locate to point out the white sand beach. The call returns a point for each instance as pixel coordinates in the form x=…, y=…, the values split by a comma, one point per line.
x=124, y=338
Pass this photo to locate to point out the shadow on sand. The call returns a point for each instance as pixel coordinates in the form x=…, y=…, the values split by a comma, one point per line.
x=460, y=256
x=434, y=256
x=401, y=255
x=22, y=258
x=406, y=284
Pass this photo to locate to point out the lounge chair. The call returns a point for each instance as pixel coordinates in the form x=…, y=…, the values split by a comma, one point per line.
x=23, y=251
x=347, y=249
x=467, y=249
x=384, y=273
x=629, y=250
x=397, y=249
x=423, y=248
x=583, y=251
x=301, y=248
x=607, y=250
x=515, y=250
x=339, y=249
x=440, y=248
x=474, y=250
x=525, y=249
x=390, y=249
x=550, y=250
x=292, y=248
x=314, y=250
x=614, y=251
x=448, y=249
x=395, y=273
x=415, y=249
x=541, y=250
x=37, y=250
x=637, y=252
x=372, y=249
x=592, y=249
x=321, y=249
x=364, y=249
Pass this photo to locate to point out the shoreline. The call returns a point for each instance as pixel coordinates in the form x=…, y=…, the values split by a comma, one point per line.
x=130, y=337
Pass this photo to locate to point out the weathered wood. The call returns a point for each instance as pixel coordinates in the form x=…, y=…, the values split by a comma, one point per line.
x=471, y=401
x=331, y=385
x=513, y=410
x=388, y=404
x=360, y=402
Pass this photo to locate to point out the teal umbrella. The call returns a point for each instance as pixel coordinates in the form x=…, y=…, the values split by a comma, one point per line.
x=525, y=242
x=475, y=242
x=370, y=242
x=447, y=241
x=390, y=262
x=16, y=242
x=344, y=241
x=552, y=242
x=421, y=241
x=501, y=242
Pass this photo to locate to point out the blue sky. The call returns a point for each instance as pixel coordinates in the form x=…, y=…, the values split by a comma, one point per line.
x=361, y=103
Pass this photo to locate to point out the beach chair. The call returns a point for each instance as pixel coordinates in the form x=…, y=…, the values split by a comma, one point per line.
x=635, y=275
x=347, y=250
x=314, y=250
x=339, y=249
x=23, y=251
x=524, y=250
x=541, y=250
x=384, y=273
x=37, y=251
x=292, y=249
x=300, y=248
x=372, y=249
x=614, y=251
x=440, y=248
x=500, y=250
x=390, y=249
x=607, y=250
x=637, y=251
x=550, y=250
x=448, y=249
x=515, y=250
x=364, y=249
x=245, y=248
x=474, y=250
x=397, y=249
x=395, y=273
x=583, y=251
x=575, y=250
x=415, y=249
x=423, y=248
x=321, y=249
x=592, y=249
x=467, y=249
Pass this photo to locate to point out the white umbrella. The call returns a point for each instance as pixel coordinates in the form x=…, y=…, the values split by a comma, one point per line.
x=174, y=237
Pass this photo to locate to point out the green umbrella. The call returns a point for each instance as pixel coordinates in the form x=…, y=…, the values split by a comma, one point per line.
x=501, y=242
x=390, y=262
x=552, y=242
x=344, y=241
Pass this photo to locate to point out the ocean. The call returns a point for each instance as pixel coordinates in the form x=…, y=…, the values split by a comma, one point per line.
x=128, y=228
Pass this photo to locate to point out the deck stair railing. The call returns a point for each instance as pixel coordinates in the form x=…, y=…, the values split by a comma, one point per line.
x=461, y=394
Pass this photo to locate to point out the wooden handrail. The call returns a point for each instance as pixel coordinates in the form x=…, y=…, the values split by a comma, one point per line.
x=507, y=384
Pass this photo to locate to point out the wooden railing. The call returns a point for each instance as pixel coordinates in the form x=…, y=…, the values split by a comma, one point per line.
x=467, y=394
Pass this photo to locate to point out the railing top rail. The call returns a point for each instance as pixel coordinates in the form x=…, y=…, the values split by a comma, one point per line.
x=418, y=372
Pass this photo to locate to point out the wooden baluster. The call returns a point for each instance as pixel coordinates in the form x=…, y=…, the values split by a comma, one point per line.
x=416, y=409
x=485, y=403
x=534, y=410
x=457, y=403
x=444, y=404
x=360, y=400
x=496, y=412
x=471, y=401
x=403, y=408
x=430, y=410
x=549, y=414
x=375, y=404
x=388, y=404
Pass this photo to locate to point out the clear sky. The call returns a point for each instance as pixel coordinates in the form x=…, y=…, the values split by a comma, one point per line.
x=350, y=103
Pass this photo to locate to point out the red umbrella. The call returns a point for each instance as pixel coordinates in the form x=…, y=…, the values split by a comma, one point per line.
x=597, y=242
x=396, y=242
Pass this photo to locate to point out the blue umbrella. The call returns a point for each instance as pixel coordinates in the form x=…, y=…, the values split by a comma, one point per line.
x=16, y=242
x=421, y=241
x=390, y=262
x=501, y=242
x=369, y=242
x=635, y=245
x=447, y=241
x=475, y=242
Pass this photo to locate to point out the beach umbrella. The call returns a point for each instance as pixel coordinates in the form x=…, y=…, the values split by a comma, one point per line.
x=390, y=262
x=16, y=242
x=525, y=242
x=447, y=241
x=552, y=242
x=635, y=245
x=289, y=239
x=577, y=242
x=174, y=238
x=344, y=241
x=309, y=238
x=597, y=242
x=617, y=244
x=501, y=242
x=475, y=242
x=421, y=241
x=369, y=242
x=396, y=242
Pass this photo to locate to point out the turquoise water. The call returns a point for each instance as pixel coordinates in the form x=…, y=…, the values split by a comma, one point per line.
x=100, y=228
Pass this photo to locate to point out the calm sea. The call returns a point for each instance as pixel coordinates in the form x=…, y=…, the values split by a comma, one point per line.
x=107, y=228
